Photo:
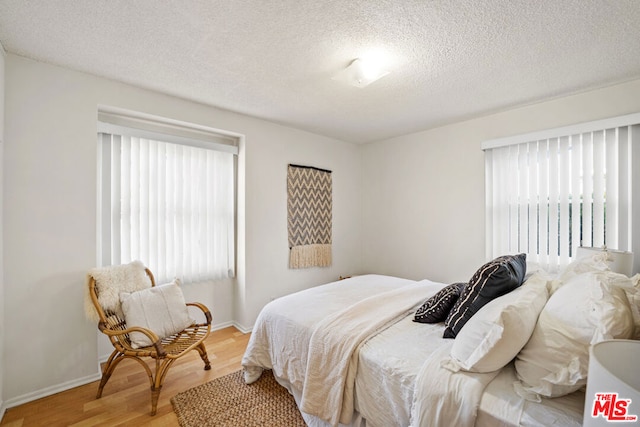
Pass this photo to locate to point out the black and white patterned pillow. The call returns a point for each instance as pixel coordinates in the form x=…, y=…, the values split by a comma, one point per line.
x=436, y=308
x=494, y=279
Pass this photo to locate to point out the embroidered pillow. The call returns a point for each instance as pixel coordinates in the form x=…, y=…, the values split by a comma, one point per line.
x=436, y=308
x=162, y=309
x=492, y=280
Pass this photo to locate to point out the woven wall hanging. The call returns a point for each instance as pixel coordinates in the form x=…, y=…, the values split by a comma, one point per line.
x=309, y=211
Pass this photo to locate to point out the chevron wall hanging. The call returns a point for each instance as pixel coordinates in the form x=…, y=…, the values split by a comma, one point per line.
x=309, y=211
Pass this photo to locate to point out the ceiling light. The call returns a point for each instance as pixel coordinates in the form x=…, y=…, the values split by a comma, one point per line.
x=361, y=73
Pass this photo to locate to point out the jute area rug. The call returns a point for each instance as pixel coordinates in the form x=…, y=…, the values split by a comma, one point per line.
x=228, y=401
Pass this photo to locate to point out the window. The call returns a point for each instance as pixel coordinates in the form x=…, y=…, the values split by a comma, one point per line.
x=550, y=192
x=167, y=199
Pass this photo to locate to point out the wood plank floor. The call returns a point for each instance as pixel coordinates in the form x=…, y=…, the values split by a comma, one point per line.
x=126, y=400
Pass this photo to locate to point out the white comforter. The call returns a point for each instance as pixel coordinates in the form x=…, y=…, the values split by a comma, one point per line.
x=311, y=339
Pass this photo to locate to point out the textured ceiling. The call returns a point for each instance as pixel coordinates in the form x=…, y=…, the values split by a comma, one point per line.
x=274, y=59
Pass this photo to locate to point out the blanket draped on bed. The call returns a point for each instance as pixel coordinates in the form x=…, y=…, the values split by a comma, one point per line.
x=333, y=357
x=282, y=332
x=309, y=210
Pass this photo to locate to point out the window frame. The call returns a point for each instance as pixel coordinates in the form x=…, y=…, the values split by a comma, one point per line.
x=112, y=120
x=631, y=167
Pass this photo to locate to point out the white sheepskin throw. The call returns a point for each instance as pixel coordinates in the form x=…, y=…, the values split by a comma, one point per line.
x=110, y=282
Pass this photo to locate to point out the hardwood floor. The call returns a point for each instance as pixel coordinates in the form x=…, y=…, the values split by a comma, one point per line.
x=126, y=400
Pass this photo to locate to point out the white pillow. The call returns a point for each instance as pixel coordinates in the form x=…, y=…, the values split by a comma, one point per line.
x=161, y=309
x=499, y=330
x=586, y=264
x=588, y=308
x=633, y=295
x=533, y=268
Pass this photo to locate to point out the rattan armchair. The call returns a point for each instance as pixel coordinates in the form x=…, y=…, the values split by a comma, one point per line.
x=164, y=351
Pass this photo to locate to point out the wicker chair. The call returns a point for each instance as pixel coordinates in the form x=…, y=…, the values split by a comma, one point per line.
x=164, y=351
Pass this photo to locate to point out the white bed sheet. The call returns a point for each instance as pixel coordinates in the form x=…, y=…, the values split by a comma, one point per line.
x=502, y=407
x=387, y=370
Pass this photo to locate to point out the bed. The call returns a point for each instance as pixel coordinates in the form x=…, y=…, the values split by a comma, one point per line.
x=351, y=353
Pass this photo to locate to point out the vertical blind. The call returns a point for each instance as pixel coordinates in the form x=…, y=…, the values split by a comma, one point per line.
x=169, y=205
x=546, y=197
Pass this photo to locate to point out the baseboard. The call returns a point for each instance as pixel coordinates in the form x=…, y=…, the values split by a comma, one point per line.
x=218, y=326
x=2, y=409
x=241, y=328
x=233, y=323
x=48, y=391
x=102, y=359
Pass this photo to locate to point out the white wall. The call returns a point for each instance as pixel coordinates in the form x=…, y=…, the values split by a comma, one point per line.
x=423, y=194
x=50, y=210
x=267, y=273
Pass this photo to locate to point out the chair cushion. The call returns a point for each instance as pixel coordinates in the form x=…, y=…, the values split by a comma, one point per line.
x=162, y=309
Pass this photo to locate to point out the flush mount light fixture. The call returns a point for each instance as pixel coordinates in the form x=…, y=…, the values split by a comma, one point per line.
x=361, y=72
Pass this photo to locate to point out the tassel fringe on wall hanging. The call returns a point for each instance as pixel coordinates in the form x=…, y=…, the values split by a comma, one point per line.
x=309, y=211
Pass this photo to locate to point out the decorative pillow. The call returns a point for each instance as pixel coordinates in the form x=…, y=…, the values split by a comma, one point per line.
x=589, y=308
x=161, y=309
x=436, y=308
x=499, y=330
x=492, y=280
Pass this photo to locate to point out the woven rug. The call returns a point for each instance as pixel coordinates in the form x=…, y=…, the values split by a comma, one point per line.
x=228, y=401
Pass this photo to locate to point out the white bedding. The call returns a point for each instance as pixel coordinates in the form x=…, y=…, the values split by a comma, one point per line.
x=386, y=381
x=443, y=398
x=398, y=365
x=314, y=350
x=332, y=360
x=501, y=407
x=389, y=364
x=281, y=335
